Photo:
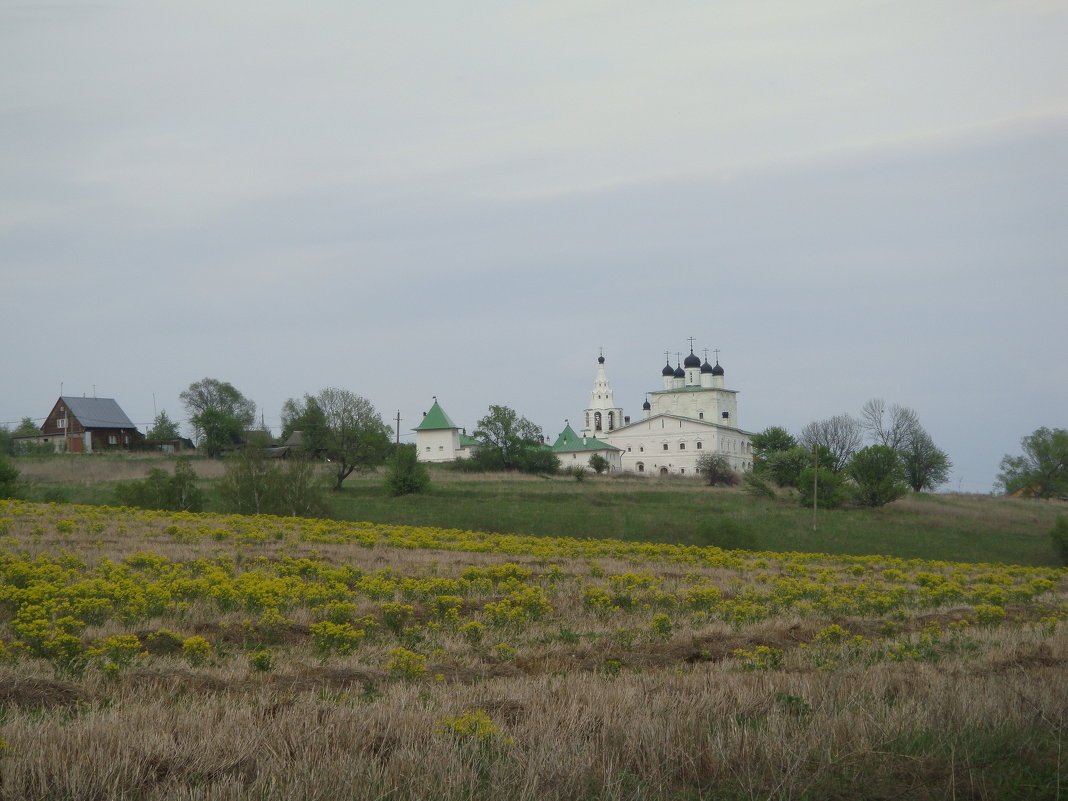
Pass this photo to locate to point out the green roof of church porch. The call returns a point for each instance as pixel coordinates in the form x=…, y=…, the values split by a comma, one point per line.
x=569, y=441
x=435, y=419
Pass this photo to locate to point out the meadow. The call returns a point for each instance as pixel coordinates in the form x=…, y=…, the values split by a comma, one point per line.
x=973, y=528
x=151, y=655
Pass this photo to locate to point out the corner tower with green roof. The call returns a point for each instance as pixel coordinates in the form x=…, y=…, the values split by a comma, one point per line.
x=439, y=439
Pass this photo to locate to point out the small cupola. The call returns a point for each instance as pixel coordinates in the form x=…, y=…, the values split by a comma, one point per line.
x=706, y=368
x=717, y=370
x=668, y=371
x=692, y=360
x=679, y=372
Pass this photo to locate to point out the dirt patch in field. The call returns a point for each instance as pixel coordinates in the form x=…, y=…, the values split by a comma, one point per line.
x=24, y=693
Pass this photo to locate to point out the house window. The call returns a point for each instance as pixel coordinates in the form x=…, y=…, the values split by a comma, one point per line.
x=611, y=420
x=665, y=446
x=441, y=447
x=428, y=448
x=112, y=439
x=62, y=422
x=641, y=449
x=682, y=469
x=726, y=415
x=641, y=467
x=699, y=445
x=700, y=415
x=628, y=449
x=596, y=421
x=682, y=446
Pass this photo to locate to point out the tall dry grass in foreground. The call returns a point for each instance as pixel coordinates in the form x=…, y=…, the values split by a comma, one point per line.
x=529, y=673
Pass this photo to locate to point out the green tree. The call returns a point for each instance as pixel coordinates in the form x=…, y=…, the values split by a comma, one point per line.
x=342, y=427
x=926, y=466
x=218, y=413
x=879, y=475
x=598, y=463
x=255, y=484
x=163, y=428
x=10, y=485
x=161, y=490
x=785, y=467
x=26, y=428
x=715, y=469
x=830, y=488
x=773, y=439
x=1041, y=471
x=511, y=442
x=407, y=475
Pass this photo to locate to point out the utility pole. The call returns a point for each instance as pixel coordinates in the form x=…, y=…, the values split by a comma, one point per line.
x=398, y=418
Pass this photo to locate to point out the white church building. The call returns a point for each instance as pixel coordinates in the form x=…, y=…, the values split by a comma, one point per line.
x=693, y=413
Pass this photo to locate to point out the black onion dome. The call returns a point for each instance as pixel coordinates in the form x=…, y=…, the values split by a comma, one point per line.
x=717, y=370
x=706, y=367
x=692, y=361
x=600, y=360
x=647, y=406
x=668, y=370
x=679, y=373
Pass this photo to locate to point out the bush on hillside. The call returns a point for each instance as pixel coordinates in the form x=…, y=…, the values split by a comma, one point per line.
x=407, y=475
x=879, y=475
x=1059, y=535
x=831, y=489
x=10, y=485
x=254, y=484
x=716, y=470
x=161, y=490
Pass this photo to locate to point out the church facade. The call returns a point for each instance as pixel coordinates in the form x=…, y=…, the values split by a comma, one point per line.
x=693, y=413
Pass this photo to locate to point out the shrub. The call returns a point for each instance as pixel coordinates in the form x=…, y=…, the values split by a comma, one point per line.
x=879, y=475
x=196, y=650
x=1059, y=536
x=254, y=484
x=757, y=486
x=10, y=486
x=407, y=475
x=159, y=490
x=715, y=469
x=405, y=664
x=598, y=463
x=339, y=638
x=831, y=488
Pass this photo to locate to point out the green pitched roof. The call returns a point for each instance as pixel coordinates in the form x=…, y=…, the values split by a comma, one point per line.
x=467, y=442
x=569, y=441
x=435, y=419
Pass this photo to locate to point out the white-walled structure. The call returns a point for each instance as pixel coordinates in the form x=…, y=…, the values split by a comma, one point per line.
x=692, y=414
x=574, y=450
x=439, y=439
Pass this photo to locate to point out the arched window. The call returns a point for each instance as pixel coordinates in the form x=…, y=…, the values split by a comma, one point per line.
x=641, y=467
x=611, y=420
x=596, y=421
x=699, y=446
x=682, y=446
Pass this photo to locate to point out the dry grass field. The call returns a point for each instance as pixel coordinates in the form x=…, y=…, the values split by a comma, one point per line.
x=149, y=655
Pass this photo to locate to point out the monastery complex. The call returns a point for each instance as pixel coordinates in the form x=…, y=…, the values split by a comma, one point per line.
x=692, y=413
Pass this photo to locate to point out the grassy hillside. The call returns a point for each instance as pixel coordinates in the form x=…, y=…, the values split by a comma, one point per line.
x=149, y=656
x=973, y=528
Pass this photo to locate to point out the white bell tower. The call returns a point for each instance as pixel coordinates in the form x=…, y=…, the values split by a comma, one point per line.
x=602, y=415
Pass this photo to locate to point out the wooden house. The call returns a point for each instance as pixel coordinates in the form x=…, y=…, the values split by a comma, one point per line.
x=87, y=425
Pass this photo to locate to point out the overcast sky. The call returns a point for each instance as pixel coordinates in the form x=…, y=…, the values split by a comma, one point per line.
x=407, y=199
